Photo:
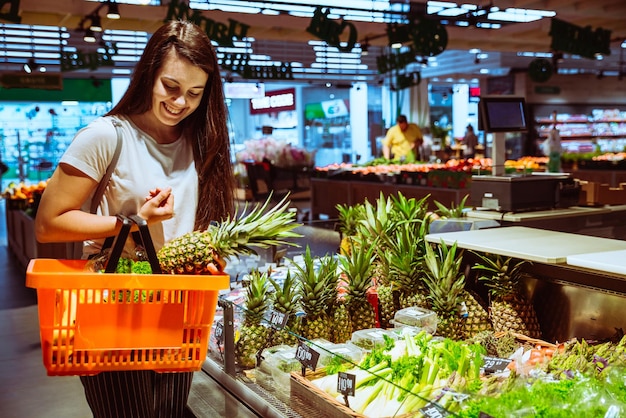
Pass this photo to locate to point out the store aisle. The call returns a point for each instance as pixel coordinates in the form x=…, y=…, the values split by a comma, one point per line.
x=25, y=389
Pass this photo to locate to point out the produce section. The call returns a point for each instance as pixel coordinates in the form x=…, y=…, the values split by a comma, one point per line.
x=408, y=365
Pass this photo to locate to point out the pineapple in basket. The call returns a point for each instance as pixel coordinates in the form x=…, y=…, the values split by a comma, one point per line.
x=286, y=300
x=253, y=333
x=313, y=286
x=510, y=310
x=204, y=252
x=357, y=267
x=446, y=284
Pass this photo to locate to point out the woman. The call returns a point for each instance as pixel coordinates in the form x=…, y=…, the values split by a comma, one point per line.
x=174, y=144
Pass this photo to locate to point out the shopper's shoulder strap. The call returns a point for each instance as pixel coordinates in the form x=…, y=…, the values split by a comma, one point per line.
x=107, y=176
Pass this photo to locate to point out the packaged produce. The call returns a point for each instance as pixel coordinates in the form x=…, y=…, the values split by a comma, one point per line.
x=416, y=317
x=371, y=338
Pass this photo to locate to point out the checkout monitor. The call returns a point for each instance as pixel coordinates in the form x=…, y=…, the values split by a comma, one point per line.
x=503, y=114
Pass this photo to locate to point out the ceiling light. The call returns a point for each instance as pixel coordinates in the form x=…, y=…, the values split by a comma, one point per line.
x=95, y=24
x=365, y=47
x=30, y=66
x=114, y=12
x=89, y=36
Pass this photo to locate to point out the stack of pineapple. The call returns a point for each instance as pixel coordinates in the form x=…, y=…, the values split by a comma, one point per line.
x=383, y=249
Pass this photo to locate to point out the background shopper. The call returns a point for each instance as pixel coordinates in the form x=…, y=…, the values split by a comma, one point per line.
x=174, y=144
x=470, y=140
x=402, y=141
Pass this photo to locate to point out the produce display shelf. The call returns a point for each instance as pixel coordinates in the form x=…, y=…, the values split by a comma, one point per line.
x=258, y=399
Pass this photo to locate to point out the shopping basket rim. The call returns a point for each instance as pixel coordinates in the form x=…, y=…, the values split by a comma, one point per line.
x=48, y=273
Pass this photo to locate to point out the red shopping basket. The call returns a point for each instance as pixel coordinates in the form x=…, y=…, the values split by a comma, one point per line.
x=92, y=322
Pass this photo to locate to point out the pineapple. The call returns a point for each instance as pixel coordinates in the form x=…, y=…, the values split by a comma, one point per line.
x=375, y=225
x=314, y=285
x=204, y=252
x=510, y=310
x=252, y=332
x=446, y=284
x=341, y=330
x=286, y=300
x=405, y=267
x=357, y=268
x=347, y=225
x=477, y=320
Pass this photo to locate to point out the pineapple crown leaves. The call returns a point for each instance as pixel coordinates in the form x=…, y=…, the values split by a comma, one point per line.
x=454, y=211
x=357, y=266
x=287, y=296
x=260, y=227
x=501, y=275
x=376, y=220
x=256, y=302
x=317, y=286
x=404, y=258
x=444, y=278
x=348, y=218
x=408, y=209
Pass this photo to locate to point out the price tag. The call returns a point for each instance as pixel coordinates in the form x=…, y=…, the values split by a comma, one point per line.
x=346, y=383
x=432, y=410
x=495, y=364
x=278, y=320
x=219, y=332
x=307, y=356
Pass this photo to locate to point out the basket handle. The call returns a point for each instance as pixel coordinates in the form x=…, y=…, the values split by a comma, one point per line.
x=118, y=244
x=147, y=243
x=120, y=241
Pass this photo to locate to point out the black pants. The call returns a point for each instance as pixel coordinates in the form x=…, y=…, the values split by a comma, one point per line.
x=137, y=394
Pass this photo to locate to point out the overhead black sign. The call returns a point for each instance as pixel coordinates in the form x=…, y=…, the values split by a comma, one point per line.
x=330, y=31
x=239, y=63
x=585, y=42
x=219, y=32
x=14, y=8
x=88, y=60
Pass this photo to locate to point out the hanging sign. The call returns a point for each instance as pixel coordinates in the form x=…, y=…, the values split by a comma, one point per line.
x=330, y=31
x=31, y=81
x=274, y=101
x=239, y=63
x=219, y=32
x=567, y=37
x=88, y=60
x=13, y=15
x=395, y=61
x=404, y=81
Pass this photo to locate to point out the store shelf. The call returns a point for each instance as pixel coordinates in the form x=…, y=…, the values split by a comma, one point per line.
x=583, y=127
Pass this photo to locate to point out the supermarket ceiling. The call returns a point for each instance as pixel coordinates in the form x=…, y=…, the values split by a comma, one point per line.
x=483, y=38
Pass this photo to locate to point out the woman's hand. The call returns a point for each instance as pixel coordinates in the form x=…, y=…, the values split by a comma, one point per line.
x=159, y=205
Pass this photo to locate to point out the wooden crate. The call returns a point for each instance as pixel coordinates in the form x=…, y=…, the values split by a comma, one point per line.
x=310, y=395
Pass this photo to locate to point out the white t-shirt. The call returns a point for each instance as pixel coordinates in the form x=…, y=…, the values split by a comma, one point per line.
x=143, y=165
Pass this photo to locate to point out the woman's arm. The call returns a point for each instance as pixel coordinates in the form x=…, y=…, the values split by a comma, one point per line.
x=59, y=218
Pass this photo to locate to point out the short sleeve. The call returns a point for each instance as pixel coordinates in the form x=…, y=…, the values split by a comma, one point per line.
x=92, y=148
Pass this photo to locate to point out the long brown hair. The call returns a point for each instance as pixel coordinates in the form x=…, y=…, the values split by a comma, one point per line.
x=206, y=127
